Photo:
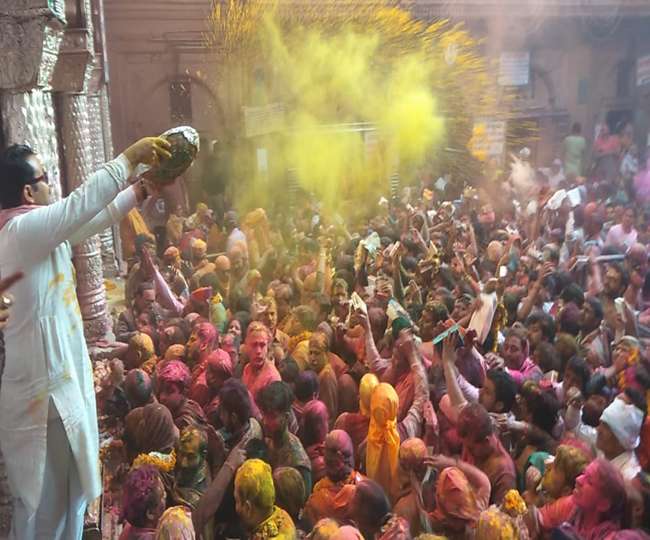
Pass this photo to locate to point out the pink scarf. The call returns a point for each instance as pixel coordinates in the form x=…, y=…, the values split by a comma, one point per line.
x=7, y=215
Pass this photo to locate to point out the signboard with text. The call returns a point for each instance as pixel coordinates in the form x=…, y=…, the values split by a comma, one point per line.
x=514, y=68
x=263, y=120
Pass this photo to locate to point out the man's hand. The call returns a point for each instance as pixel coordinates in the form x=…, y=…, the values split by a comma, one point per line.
x=148, y=151
x=494, y=361
x=500, y=421
x=430, y=417
x=516, y=425
x=574, y=398
x=406, y=344
x=363, y=320
x=6, y=300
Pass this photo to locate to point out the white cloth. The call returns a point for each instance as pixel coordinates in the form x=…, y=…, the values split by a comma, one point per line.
x=237, y=237
x=60, y=514
x=46, y=354
x=625, y=420
x=627, y=464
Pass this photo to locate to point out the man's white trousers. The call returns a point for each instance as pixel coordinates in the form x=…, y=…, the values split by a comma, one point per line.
x=60, y=514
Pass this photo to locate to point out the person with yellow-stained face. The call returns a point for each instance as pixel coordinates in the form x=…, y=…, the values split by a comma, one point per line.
x=255, y=503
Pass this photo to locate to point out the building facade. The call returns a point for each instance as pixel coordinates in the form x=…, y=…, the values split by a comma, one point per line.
x=583, y=61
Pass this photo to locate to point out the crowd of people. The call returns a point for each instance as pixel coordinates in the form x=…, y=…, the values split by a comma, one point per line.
x=462, y=366
x=467, y=368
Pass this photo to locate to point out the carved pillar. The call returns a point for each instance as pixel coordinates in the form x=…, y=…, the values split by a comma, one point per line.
x=29, y=45
x=71, y=79
x=99, y=156
x=100, y=126
x=108, y=150
x=28, y=118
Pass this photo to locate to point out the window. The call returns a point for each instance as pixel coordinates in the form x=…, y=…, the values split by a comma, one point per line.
x=180, y=101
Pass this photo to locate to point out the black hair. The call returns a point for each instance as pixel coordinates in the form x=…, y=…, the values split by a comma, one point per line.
x=581, y=369
x=439, y=311
x=18, y=152
x=573, y=293
x=289, y=370
x=597, y=306
x=569, y=320
x=511, y=302
x=549, y=359
x=505, y=387
x=234, y=398
x=625, y=275
x=576, y=128
x=276, y=397
x=209, y=280
x=306, y=385
x=474, y=421
x=372, y=502
x=141, y=240
x=139, y=393
x=144, y=286
x=184, y=326
x=637, y=399
x=244, y=318
x=409, y=263
x=546, y=323
x=14, y=176
x=542, y=405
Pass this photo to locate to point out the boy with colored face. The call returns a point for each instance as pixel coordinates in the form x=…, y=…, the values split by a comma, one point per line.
x=482, y=448
x=259, y=372
x=143, y=503
x=173, y=382
x=285, y=449
x=202, y=343
x=255, y=502
x=192, y=472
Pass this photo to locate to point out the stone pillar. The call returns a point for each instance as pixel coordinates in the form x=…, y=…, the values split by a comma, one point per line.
x=99, y=156
x=71, y=80
x=29, y=45
x=28, y=118
x=108, y=150
x=100, y=127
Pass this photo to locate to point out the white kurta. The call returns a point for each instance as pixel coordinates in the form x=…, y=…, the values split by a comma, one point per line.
x=46, y=355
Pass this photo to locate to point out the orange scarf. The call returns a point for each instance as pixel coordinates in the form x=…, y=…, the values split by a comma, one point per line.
x=382, y=453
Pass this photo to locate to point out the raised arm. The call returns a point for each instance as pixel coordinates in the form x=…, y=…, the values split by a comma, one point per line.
x=375, y=363
x=411, y=426
x=119, y=207
x=456, y=396
x=46, y=227
x=475, y=476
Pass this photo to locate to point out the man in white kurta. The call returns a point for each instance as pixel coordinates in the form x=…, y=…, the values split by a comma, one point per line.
x=48, y=418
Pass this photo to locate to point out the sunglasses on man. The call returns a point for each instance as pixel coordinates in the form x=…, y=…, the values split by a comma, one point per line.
x=42, y=178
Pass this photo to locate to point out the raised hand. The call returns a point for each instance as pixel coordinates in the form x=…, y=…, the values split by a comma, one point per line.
x=148, y=151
